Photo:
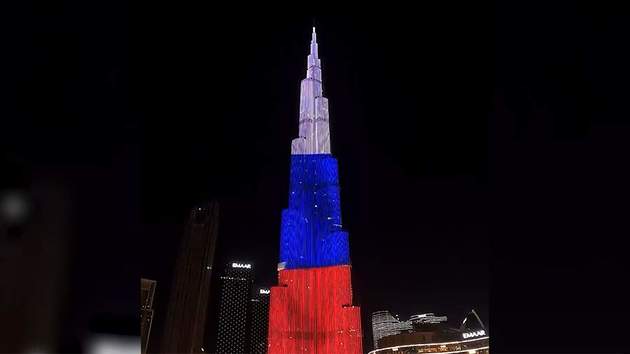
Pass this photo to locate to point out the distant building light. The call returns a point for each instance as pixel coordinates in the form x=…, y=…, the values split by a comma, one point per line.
x=241, y=265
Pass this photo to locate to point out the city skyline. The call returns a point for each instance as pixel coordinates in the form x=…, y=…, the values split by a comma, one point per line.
x=481, y=160
x=236, y=241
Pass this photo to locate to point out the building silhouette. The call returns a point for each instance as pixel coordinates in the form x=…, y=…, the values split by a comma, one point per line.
x=185, y=321
x=234, y=304
x=147, y=290
x=311, y=308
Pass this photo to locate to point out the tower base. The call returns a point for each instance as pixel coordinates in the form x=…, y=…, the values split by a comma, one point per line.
x=311, y=312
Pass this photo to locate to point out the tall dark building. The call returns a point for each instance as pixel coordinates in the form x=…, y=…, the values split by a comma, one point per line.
x=147, y=290
x=187, y=309
x=259, y=321
x=236, y=286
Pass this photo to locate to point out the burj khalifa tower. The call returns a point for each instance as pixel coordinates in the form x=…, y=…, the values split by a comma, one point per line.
x=311, y=309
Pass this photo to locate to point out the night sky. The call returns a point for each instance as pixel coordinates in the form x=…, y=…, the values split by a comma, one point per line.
x=482, y=152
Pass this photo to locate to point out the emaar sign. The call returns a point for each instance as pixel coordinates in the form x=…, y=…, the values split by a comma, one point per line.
x=474, y=334
x=241, y=265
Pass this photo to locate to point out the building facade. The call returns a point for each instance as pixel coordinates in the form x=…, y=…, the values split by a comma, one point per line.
x=414, y=344
x=147, y=291
x=385, y=324
x=185, y=321
x=259, y=321
x=428, y=333
x=234, y=305
x=311, y=308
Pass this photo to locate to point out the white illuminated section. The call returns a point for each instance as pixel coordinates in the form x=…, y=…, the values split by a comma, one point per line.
x=264, y=291
x=384, y=324
x=427, y=318
x=14, y=206
x=111, y=344
x=242, y=265
x=314, y=133
x=474, y=334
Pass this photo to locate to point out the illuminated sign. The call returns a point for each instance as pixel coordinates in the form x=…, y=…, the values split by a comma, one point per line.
x=241, y=265
x=265, y=291
x=474, y=334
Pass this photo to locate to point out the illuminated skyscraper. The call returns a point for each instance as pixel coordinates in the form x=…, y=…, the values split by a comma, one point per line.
x=235, y=295
x=311, y=308
x=258, y=321
x=187, y=310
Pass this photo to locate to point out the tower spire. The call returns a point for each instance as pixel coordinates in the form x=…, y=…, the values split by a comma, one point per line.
x=313, y=64
x=314, y=133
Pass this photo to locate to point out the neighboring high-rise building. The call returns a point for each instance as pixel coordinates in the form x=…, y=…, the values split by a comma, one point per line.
x=187, y=310
x=147, y=290
x=236, y=286
x=259, y=321
x=385, y=324
x=311, y=308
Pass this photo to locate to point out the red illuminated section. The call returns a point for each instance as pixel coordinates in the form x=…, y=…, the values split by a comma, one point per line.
x=311, y=312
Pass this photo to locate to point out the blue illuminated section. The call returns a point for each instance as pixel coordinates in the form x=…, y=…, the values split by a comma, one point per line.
x=311, y=234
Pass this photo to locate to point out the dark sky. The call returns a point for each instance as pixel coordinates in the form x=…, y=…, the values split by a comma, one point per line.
x=482, y=152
